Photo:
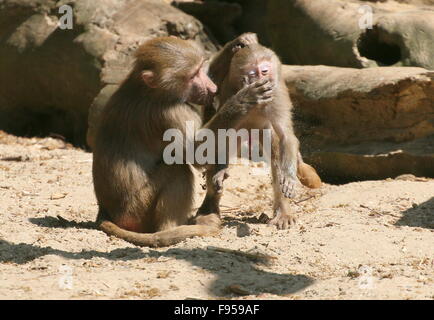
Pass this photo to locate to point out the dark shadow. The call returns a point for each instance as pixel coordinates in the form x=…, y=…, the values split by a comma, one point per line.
x=22, y=253
x=59, y=222
x=241, y=222
x=229, y=268
x=419, y=216
x=237, y=221
x=378, y=47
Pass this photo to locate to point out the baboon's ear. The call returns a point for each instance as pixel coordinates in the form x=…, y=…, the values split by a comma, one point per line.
x=149, y=78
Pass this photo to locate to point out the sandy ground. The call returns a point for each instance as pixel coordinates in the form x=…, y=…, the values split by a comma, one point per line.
x=364, y=240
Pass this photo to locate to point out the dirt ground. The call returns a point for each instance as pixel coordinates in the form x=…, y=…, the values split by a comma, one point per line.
x=363, y=240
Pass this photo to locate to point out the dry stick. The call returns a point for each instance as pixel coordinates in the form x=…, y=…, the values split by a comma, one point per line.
x=230, y=209
x=62, y=219
x=237, y=289
x=302, y=200
x=15, y=158
x=379, y=213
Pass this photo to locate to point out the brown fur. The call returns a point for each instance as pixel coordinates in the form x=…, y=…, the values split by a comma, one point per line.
x=141, y=199
x=286, y=161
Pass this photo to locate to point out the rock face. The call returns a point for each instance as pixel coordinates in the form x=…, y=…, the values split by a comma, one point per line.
x=219, y=17
x=357, y=124
x=253, y=19
x=353, y=124
x=338, y=33
x=50, y=77
x=228, y=18
x=416, y=2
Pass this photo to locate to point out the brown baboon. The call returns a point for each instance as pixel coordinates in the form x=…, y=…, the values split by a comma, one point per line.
x=252, y=62
x=142, y=199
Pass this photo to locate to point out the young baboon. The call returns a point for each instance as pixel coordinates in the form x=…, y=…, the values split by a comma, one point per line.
x=252, y=62
x=142, y=199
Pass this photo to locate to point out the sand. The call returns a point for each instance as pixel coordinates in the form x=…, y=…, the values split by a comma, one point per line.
x=362, y=240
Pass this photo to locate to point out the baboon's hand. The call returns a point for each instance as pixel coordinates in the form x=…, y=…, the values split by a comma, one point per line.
x=259, y=92
x=218, y=179
x=282, y=220
x=244, y=40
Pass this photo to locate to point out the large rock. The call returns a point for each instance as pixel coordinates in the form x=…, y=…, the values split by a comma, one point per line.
x=253, y=18
x=218, y=17
x=416, y=2
x=50, y=77
x=357, y=124
x=333, y=32
x=228, y=18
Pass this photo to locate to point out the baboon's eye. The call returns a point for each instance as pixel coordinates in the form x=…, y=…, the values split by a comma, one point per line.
x=264, y=71
x=252, y=73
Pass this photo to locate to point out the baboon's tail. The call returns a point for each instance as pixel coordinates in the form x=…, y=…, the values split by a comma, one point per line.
x=307, y=174
x=160, y=238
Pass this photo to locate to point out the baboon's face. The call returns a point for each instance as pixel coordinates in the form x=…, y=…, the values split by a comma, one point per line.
x=199, y=86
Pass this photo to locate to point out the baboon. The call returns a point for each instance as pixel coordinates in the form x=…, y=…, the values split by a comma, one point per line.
x=142, y=199
x=252, y=62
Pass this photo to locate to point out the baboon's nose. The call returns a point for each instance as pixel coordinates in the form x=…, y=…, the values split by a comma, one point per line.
x=212, y=87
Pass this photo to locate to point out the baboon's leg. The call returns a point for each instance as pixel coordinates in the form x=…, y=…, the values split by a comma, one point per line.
x=210, y=208
x=172, y=208
x=307, y=174
x=174, y=196
x=215, y=175
x=283, y=217
x=288, y=152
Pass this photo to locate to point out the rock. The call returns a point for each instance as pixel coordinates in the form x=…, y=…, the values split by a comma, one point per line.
x=415, y=2
x=50, y=77
x=253, y=19
x=229, y=18
x=219, y=17
x=356, y=124
x=375, y=161
x=334, y=32
x=243, y=230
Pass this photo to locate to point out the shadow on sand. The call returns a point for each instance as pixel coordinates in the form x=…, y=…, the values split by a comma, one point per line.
x=419, y=216
x=228, y=268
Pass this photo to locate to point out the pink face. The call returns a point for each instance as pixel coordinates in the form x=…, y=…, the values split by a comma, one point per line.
x=201, y=87
x=196, y=87
x=255, y=72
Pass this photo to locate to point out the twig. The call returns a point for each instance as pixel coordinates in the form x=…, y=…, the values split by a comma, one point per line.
x=302, y=200
x=230, y=209
x=379, y=212
x=16, y=158
x=238, y=290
